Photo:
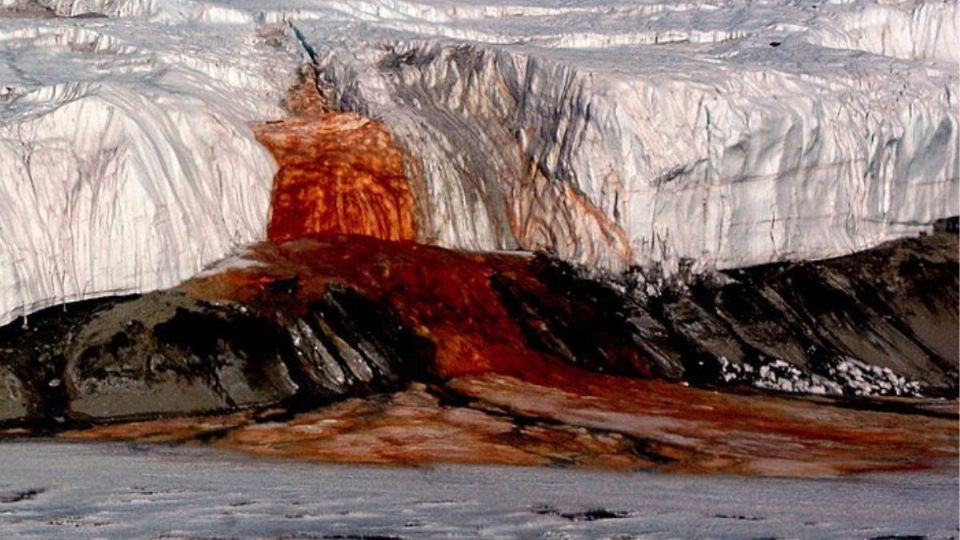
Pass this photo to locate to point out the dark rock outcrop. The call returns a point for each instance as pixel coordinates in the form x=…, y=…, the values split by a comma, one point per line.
x=881, y=322
x=166, y=353
x=884, y=321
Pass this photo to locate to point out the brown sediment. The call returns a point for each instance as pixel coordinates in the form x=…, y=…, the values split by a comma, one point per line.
x=708, y=431
x=166, y=430
x=405, y=428
x=622, y=424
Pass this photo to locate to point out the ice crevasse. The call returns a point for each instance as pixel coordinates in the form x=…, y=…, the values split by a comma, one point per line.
x=612, y=133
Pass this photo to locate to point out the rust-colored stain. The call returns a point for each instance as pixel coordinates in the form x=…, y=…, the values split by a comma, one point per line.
x=407, y=428
x=446, y=297
x=624, y=425
x=338, y=173
x=545, y=214
x=707, y=431
x=343, y=214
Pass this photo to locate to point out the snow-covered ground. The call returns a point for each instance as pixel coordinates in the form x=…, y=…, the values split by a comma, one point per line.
x=611, y=132
x=57, y=490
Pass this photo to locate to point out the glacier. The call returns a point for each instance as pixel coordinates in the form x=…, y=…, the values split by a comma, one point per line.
x=127, y=160
x=723, y=134
x=612, y=133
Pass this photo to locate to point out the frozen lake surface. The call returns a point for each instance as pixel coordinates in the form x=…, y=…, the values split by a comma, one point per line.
x=65, y=490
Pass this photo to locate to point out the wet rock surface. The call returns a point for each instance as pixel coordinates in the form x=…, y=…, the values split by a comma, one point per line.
x=13, y=399
x=881, y=322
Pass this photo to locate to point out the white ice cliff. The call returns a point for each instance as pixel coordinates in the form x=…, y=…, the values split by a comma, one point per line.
x=611, y=132
x=126, y=160
x=619, y=133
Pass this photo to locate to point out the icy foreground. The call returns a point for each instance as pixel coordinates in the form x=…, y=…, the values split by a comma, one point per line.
x=58, y=490
x=613, y=133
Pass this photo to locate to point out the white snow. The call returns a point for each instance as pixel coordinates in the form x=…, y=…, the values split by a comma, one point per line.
x=844, y=375
x=611, y=132
x=119, y=491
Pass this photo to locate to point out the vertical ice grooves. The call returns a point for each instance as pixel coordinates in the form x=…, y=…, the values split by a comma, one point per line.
x=614, y=133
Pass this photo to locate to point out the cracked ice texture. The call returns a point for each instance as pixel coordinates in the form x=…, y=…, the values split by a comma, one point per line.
x=610, y=132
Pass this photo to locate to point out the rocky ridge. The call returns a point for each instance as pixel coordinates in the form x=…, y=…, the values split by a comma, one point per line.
x=312, y=321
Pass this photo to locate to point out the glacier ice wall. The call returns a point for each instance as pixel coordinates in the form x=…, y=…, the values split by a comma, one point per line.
x=620, y=133
x=126, y=160
x=611, y=132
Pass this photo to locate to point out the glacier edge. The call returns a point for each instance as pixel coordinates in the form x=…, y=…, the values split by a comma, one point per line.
x=677, y=134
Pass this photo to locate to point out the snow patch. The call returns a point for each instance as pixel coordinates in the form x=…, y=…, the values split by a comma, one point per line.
x=848, y=376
